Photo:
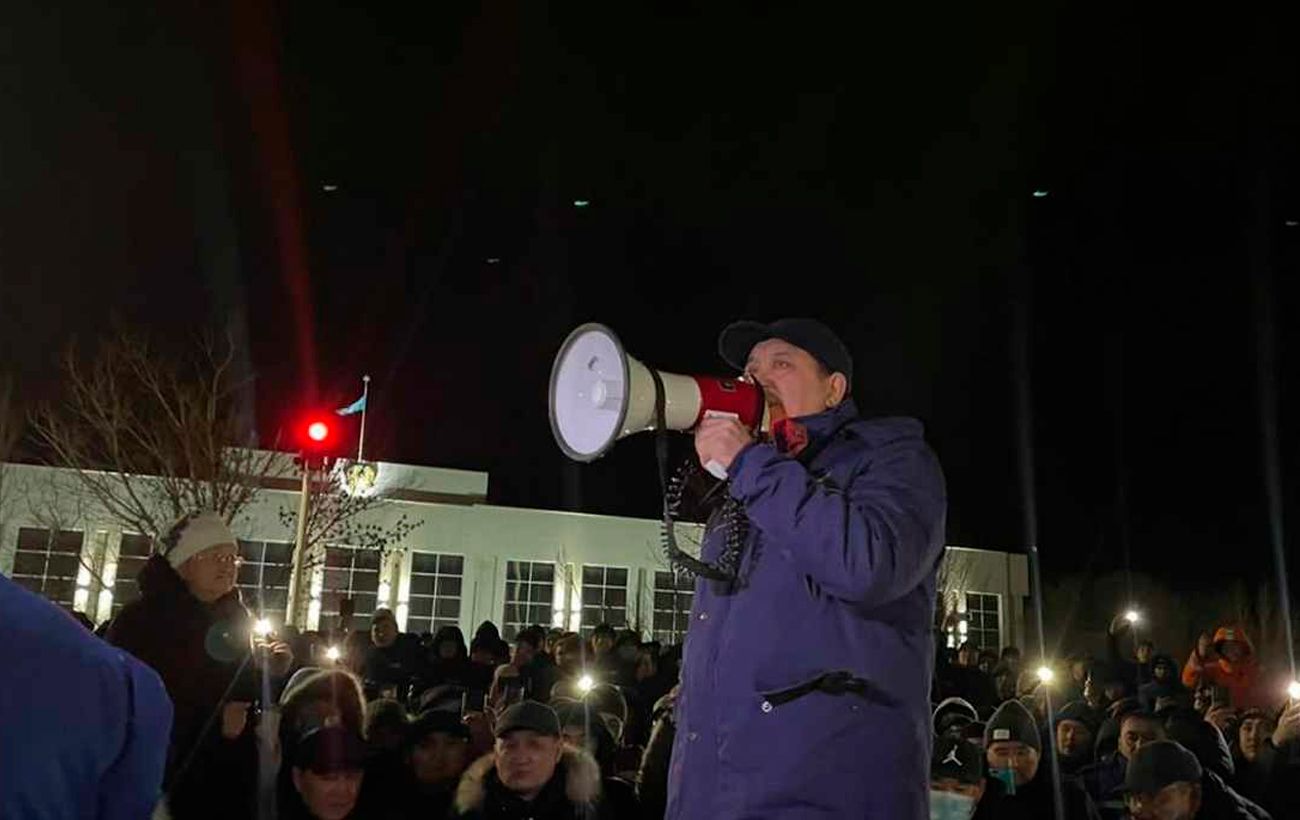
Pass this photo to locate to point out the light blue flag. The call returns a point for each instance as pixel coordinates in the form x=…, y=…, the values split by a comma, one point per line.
x=355, y=407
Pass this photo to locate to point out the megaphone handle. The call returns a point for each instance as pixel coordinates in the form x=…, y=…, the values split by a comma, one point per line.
x=661, y=433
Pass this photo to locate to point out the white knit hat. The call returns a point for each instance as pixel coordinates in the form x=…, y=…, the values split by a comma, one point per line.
x=193, y=534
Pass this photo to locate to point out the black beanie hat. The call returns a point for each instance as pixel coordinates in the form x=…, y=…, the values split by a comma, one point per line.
x=1012, y=722
x=1080, y=712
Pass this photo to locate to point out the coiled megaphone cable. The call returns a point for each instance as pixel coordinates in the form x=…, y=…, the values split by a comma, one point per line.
x=727, y=568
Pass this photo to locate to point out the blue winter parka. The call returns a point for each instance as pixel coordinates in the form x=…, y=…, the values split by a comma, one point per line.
x=836, y=583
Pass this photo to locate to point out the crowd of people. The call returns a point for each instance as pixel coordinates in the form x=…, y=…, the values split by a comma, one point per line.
x=375, y=723
x=1131, y=734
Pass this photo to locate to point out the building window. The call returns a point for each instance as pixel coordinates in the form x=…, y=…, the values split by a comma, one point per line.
x=530, y=596
x=353, y=573
x=604, y=597
x=674, y=595
x=47, y=562
x=435, y=594
x=132, y=554
x=264, y=577
x=984, y=620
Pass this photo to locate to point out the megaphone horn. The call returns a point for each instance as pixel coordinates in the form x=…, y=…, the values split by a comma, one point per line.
x=599, y=394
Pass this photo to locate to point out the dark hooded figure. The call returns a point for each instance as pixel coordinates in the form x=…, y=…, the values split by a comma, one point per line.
x=447, y=664
x=1164, y=686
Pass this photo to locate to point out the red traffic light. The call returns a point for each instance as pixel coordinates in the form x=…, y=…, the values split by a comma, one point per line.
x=318, y=431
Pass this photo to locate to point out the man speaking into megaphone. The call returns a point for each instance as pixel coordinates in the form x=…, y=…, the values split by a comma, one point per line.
x=806, y=677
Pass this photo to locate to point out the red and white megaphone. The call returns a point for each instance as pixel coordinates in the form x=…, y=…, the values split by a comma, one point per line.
x=599, y=394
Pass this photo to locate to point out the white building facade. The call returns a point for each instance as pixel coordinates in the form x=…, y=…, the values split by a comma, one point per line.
x=465, y=562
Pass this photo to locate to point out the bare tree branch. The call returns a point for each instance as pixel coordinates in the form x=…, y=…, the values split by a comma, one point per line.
x=151, y=439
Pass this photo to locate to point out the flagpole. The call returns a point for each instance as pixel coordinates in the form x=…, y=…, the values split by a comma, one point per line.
x=365, y=402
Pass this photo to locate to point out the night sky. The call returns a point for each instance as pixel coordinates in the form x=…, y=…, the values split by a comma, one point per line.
x=391, y=191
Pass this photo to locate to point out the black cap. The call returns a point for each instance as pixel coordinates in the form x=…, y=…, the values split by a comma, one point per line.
x=957, y=758
x=331, y=749
x=437, y=720
x=1012, y=722
x=1158, y=764
x=738, y=339
x=529, y=714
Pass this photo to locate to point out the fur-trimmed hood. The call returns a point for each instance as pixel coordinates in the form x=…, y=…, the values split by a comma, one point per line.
x=579, y=769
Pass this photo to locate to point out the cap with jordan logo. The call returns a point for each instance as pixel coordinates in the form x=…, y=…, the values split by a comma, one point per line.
x=957, y=759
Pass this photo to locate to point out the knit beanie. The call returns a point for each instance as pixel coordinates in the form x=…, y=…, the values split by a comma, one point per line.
x=1012, y=722
x=193, y=534
x=1079, y=712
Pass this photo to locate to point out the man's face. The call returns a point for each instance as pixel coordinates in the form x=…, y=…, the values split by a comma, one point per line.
x=524, y=654
x=987, y=664
x=526, y=761
x=945, y=788
x=448, y=650
x=1144, y=652
x=794, y=383
x=1251, y=736
x=1161, y=671
x=1073, y=739
x=601, y=643
x=1078, y=671
x=1137, y=731
x=1020, y=758
x=328, y=796
x=383, y=630
x=1234, y=651
x=646, y=666
x=1177, y=801
x=1114, y=690
x=966, y=656
x=211, y=573
x=439, y=758
x=568, y=656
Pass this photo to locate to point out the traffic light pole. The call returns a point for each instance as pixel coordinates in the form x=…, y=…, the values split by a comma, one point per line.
x=296, y=580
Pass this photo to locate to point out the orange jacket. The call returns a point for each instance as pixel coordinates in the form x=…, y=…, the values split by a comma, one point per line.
x=1242, y=680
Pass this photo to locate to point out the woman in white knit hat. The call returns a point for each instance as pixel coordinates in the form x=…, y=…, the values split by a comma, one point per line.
x=191, y=627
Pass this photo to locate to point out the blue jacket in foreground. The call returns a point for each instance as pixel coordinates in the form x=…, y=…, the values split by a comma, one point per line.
x=83, y=725
x=838, y=575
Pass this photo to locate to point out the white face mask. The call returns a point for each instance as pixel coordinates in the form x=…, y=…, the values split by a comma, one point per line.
x=951, y=806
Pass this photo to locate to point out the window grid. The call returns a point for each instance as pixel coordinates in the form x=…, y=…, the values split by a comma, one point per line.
x=47, y=561
x=264, y=577
x=133, y=551
x=350, y=572
x=604, y=597
x=529, y=596
x=435, y=592
x=674, y=594
x=983, y=620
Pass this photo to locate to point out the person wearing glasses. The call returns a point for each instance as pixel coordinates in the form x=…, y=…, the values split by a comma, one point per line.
x=191, y=627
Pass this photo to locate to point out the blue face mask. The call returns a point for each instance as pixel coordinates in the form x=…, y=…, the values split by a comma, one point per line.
x=1008, y=778
x=951, y=806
